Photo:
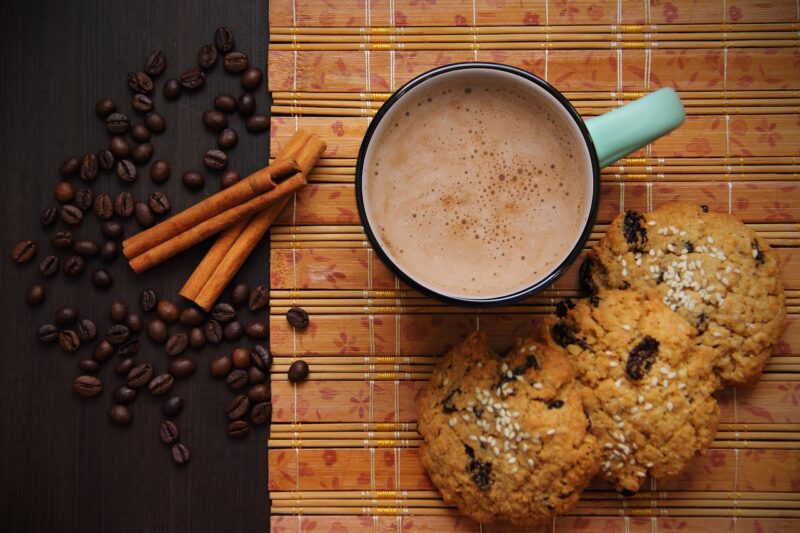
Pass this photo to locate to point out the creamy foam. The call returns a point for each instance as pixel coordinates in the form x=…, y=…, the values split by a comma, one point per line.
x=477, y=186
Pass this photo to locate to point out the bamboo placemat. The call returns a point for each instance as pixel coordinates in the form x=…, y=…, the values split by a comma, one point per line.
x=343, y=447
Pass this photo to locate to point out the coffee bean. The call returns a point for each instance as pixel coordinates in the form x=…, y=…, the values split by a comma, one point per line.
x=123, y=204
x=191, y=316
x=237, y=407
x=227, y=138
x=240, y=357
x=257, y=124
x=71, y=214
x=48, y=332
x=255, y=375
x=117, y=334
x=239, y=294
x=87, y=386
x=213, y=331
x=64, y=192
x=105, y=107
x=105, y=159
x=111, y=229
x=140, y=375
x=62, y=239
x=49, y=266
x=128, y=349
x=142, y=153
x=148, y=300
x=207, y=56
x=103, y=351
x=159, y=203
x=156, y=329
x=160, y=171
x=155, y=122
x=23, y=252
x=126, y=170
x=140, y=82
x=87, y=330
x=257, y=329
x=220, y=366
x=161, y=384
x=233, y=331
x=259, y=298
x=167, y=311
x=103, y=206
x=124, y=366
x=35, y=295
x=181, y=367
x=223, y=312
x=74, y=265
x=168, y=432
x=297, y=318
x=197, y=339
x=180, y=454
x=84, y=198
x=215, y=159
x=102, y=279
x=88, y=365
x=155, y=63
x=225, y=102
x=89, y=167
x=124, y=394
x=117, y=123
x=192, y=78
x=140, y=133
x=85, y=248
x=118, y=311
x=261, y=413
x=238, y=429
x=49, y=216
x=119, y=146
x=298, y=371
x=141, y=103
x=258, y=393
x=193, y=180
x=237, y=379
x=229, y=178
x=143, y=214
x=172, y=406
x=134, y=322
x=68, y=340
x=120, y=415
x=263, y=356
x=215, y=120
x=172, y=89
x=223, y=39
x=177, y=344
x=235, y=62
x=66, y=315
x=251, y=78
x=246, y=104
x=109, y=251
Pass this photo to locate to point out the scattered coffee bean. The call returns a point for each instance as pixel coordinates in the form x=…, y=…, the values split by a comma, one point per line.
x=257, y=329
x=229, y=178
x=71, y=214
x=140, y=375
x=258, y=393
x=88, y=365
x=237, y=379
x=167, y=311
x=181, y=367
x=118, y=334
x=255, y=375
x=155, y=63
x=172, y=406
x=215, y=120
x=119, y=146
x=262, y=354
x=118, y=311
x=89, y=167
x=64, y=192
x=124, y=366
x=177, y=344
x=48, y=332
x=74, y=265
x=246, y=104
x=148, y=300
x=134, y=322
x=36, y=294
x=159, y=203
x=206, y=56
x=102, y=279
x=235, y=62
x=103, y=206
x=215, y=159
x=223, y=312
x=66, y=315
x=160, y=171
x=87, y=330
x=240, y=357
x=172, y=89
x=192, y=78
x=239, y=294
x=120, y=415
x=180, y=454
x=225, y=102
x=87, y=386
x=213, y=331
x=193, y=180
x=197, y=339
x=297, y=317
x=85, y=248
x=105, y=159
x=140, y=133
x=124, y=204
x=124, y=394
x=49, y=216
x=261, y=413
x=23, y=251
x=156, y=330
x=142, y=153
x=140, y=82
x=237, y=407
x=257, y=124
x=143, y=214
x=191, y=316
x=111, y=229
x=126, y=170
x=68, y=340
x=220, y=366
x=155, y=122
x=233, y=331
x=168, y=432
x=103, y=351
x=117, y=123
x=251, y=78
x=259, y=298
x=128, y=349
x=227, y=138
x=49, y=266
x=105, y=107
x=161, y=384
x=141, y=103
x=84, y=198
x=238, y=429
x=298, y=371
x=223, y=39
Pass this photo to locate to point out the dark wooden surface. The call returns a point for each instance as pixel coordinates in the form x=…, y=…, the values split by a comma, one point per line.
x=64, y=467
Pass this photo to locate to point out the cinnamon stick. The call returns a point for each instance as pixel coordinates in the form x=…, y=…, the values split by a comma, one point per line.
x=251, y=187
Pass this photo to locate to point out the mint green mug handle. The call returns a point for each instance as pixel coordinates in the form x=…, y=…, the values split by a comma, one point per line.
x=625, y=130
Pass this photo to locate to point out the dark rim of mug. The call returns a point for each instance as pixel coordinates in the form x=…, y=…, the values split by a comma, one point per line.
x=497, y=300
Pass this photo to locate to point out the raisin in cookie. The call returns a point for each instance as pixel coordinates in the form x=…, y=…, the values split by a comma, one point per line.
x=647, y=386
x=710, y=268
x=506, y=438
